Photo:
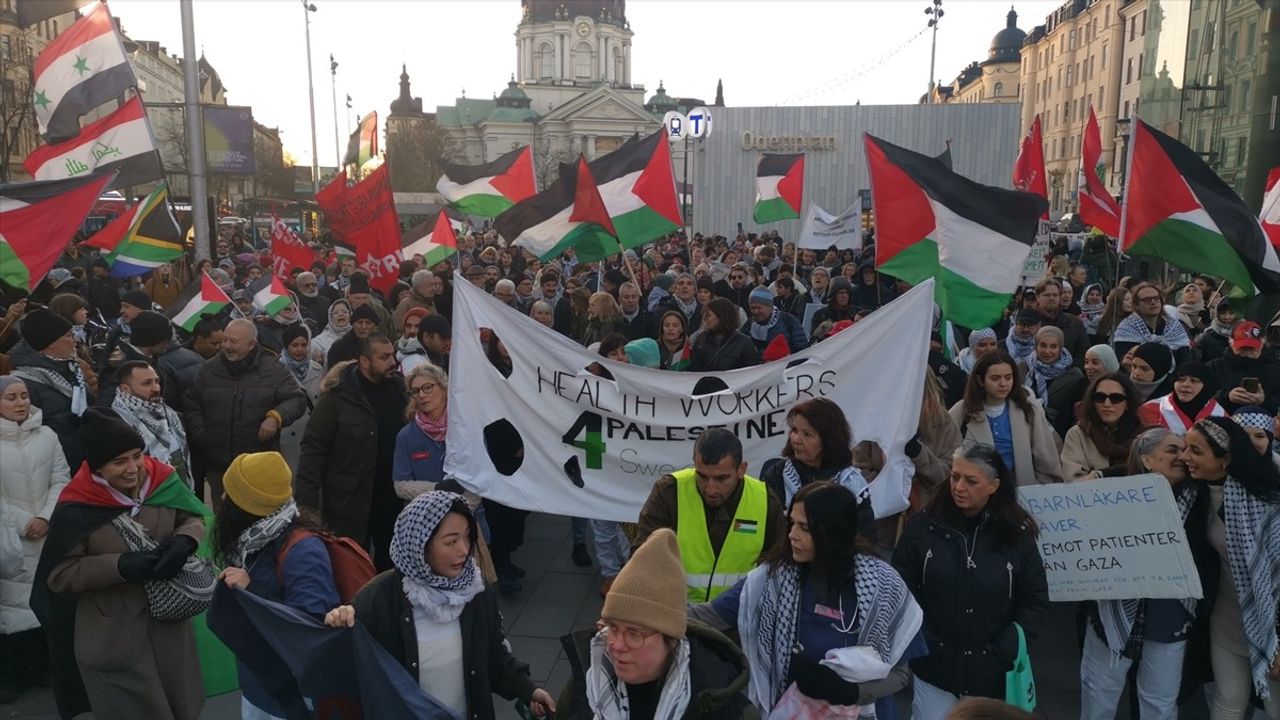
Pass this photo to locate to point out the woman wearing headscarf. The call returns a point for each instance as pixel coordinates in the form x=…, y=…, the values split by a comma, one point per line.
x=791, y=614
x=1099, y=360
x=673, y=342
x=1092, y=306
x=1261, y=428
x=1054, y=380
x=123, y=520
x=299, y=358
x=433, y=614
x=339, y=325
x=266, y=546
x=1165, y=638
x=1244, y=530
x=981, y=341
x=35, y=472
x=1191, y=400
x=1191, y=310
x=1099, y=444
x=1151, y=370
x=971, y=561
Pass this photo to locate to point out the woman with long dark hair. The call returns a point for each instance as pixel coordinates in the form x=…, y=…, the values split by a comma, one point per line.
x=720, y=346
x=1099, y=444
x=673, y=342
x=791, y=610
x=998, y=410
x=1244, y=529
x=971, y=561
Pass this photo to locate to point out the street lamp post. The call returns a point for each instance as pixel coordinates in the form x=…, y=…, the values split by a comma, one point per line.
x=307, y=9
x=935, y=13
x=333, y=70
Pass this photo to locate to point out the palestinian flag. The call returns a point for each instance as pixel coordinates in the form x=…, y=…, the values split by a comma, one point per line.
x=197, y=299
x=80, y=70
x=273, y=297
x=638, y=189
x=487, y=190
x=779, y=187
x=363, y=143
x=121, y=141
x=1270, y=215
x=38, y=219
x=1028, y=168
x=434, y=239
x=932, y=223
x=1179, y=210
x=1097, y=207
x=144, y=237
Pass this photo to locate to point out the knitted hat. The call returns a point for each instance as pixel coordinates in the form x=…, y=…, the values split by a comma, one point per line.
x=106, y=436
x=149, y=328
x=705, y=283
x=359, y=284
x=643, y=352
x=365, y=312
x=615, y=276
x=664, y=281
x=100, y=262
x=760, y=296
x=293, y=332
x=137, y=298
x=434, y=325
x=258, y=483
x=650, y=591
x=1157, y=355
x=42, y=328
x=416, y=312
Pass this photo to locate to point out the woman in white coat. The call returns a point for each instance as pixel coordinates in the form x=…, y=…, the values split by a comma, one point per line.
x=298, y=357
x=35, y=471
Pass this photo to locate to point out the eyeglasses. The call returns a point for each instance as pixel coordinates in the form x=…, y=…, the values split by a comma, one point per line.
x=1113, y=398
x=423, y=389
x=633, y=638
x=1149, y=298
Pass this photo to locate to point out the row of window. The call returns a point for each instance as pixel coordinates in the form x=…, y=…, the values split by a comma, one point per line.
x=583, y=57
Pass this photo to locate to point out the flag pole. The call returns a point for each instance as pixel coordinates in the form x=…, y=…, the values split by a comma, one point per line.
x=1128, y=178
x=197, y=189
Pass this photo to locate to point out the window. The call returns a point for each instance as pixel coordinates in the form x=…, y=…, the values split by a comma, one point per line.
x=1249, y=36
x=1245, y=87
x=999, y=89
x=1200, y=140
x=1242, y=144
x=1126, y=109
x=6, y=47
x=546, y=62
x=1227, y=97
x=582, y=62
x=1128, y=71
x=619, y=67
x=1232, y=44
x=1133, y=27
x=1208, y=37
x=1104, y=57
x=1193, y=42
x=9, y=93
x=1140, y=58
x=1144, y=23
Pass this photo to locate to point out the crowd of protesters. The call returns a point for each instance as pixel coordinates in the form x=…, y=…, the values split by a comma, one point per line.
x=119, y=432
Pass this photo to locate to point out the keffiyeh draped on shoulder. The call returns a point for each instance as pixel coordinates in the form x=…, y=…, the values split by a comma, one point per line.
x=1134, y=329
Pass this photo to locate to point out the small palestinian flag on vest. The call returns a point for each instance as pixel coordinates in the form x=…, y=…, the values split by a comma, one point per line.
x=931, y=222
x=487, y=190
x=434, y=239
x=273, y=297
x=142, y=238
x=37, y=219
x=362, y=146
x=1179, y=210
x=779, y=187
x=197, y=299
x=80, y=70
x=637, y=186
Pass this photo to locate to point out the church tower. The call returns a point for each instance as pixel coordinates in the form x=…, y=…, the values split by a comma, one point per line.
x=574, y=44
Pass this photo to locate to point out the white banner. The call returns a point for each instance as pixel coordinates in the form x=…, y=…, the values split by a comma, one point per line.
x=552, y=437
x=1112, y=539
x=822, y=230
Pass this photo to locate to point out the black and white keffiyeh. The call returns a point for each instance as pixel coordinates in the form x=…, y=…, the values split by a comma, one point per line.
x=1253, y=553
x=1041, y=373
x=688, y=309
x=441, y=598
x=850, y=477
x=262, y=532
x=160, y=427
x=1134, y=329
x=77, y=391
x=1018, y=348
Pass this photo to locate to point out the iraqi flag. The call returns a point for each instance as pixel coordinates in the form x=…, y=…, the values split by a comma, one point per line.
x=142, y=238
x=931, y=222
x=1097, y=207
x=487, y=190
x=1270, y=215
x=1179, y=210
x=435, y=239
x=637, y=186
x=196, y=300
x=83, y=68
x=273, y=297
x=37, y=220
x=121, y=141
x=1028, y=169
x=779, y=187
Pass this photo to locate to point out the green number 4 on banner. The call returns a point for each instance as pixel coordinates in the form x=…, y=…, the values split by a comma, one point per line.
x=589, y=425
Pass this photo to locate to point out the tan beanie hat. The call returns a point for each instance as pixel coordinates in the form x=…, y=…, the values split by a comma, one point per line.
x=650, y=591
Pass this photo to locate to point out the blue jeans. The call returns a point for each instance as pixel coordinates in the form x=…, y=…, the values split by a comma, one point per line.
x=612, y=546
x=578, y=530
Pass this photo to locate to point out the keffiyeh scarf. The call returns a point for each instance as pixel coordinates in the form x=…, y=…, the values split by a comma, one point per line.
x=1253, y=552
x=1134, y=329
x=299, y=368
x=1042, y=373
x=607, y=696
x=263, y=531
x=77, y=391
x=441, y=598
x=1091, y=313
x=761, y=332
x=1018, y=348
x=160, y=427
x=686, y=308
x=849, y=477
x=655, y=297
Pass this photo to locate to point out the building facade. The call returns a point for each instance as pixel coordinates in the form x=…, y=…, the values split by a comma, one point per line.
x=993, y=80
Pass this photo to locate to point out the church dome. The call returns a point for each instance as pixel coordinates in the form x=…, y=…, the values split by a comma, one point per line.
x=661, y=102
x=514, y=96
x=1006, y=46
x=613, y=12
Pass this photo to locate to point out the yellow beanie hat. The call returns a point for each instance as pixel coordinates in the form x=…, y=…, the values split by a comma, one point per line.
x=650, y=591
x=258, y=483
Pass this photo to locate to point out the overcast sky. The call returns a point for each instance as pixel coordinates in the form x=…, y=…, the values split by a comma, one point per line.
x=767, y=52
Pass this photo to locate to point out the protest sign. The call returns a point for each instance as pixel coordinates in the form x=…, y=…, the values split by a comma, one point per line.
x=1112, y=539
x=550, y=436
x=822, y=230
x=1037, y=261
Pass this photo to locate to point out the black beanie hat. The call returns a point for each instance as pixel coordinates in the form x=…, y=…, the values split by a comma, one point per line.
x=1157, y=355
x=41, y=328
x=137, y=298
x=149, y=328
x=365, y=312
x=107, y=436
x=293, y=332
x=359, y=284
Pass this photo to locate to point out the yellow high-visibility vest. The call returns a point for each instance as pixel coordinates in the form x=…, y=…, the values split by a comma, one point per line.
x=709, y=574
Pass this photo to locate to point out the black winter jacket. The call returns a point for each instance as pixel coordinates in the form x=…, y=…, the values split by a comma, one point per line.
x=488, y=663
x=711, y=354
x=53, y=404
x=1230, y=370
x=970, y=607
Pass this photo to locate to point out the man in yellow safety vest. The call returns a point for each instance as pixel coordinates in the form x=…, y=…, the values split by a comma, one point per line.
x=724, y=519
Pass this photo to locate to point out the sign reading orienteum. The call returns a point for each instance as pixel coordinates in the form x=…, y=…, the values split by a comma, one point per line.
x=1112, y=539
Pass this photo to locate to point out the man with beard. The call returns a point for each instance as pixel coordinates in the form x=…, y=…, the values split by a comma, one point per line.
x=241, y=399
x=420, y=295
x=313, y=304
x=364, y=322
x=138, y=402
x=347, y=450
x=736, y=288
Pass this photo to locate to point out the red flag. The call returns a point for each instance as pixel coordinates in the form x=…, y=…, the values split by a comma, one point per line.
x=1270, y=215
x=364, y=215
x=1097, y=207
x=36, y=221
x=113, y=232
x=588, y=206
x=287, y=250
x=1028, y=169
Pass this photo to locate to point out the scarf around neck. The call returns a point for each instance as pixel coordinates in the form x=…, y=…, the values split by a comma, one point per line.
x=263, y=530
x=1018, y=348
x=607, y=695
x=761, y=332
x=1043, y=373
x=850, y=477
x=1134, y=329
x=686, y=309
x=161, y=425
x=440, y=598
x=1253, y=553
x=434, y=429
x=299, y=368
x=76, y=388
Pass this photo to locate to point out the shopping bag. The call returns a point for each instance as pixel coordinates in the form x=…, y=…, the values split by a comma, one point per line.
x=1019, y=683
x=795, y=705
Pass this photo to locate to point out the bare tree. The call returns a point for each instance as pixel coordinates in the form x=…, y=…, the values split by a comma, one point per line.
x=17, y=114
x=415, y=152
x=548, y=155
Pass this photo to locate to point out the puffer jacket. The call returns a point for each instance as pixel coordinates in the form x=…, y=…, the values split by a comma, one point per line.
x=973, y=587
x=223, y=412
x=55, y=406
x=179, y=365
x=713, y=353
x=35, y=471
